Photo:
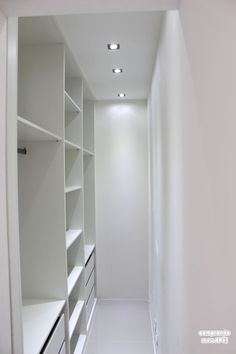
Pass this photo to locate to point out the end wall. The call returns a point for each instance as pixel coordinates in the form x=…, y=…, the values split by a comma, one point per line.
x=121, y=199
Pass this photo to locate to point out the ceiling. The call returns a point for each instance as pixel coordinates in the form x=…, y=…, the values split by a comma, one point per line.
x=56, y=7
x=87, y=37
x=137, y=33
x=93, y=25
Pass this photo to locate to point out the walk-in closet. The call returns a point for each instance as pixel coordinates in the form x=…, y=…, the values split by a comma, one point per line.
x=117, y=176
x=82, y=236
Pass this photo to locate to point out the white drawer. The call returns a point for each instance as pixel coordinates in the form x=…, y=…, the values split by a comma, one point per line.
x=90, y=304
x=89, y=286
x=89, y=267
x=57, y=338
x=63, y=349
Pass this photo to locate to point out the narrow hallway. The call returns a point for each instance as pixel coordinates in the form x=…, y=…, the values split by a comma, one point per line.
x=120, y=327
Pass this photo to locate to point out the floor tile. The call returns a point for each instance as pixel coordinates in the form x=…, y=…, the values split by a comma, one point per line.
x=120, y=327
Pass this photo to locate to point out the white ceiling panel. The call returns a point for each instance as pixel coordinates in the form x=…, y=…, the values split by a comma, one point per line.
x=137, y=33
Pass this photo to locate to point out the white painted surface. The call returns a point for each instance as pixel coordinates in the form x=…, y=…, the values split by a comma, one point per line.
x=5, y=324
x=88, y=251
x=38, y=320
x=90, y=307
x=88, y=36
x=73, y=278
x=43, y=263
x=28, y=131
x=41, y=85
x=72, y=236
x=121, y=199
x=73, y=168
x=120, y=327
x=167, y=244
x=70, y=105
x=89, y=199
x=72, y=189
x=210, y=170
x=41, y=220
x=63, y=349
x=89, y=286
x=88, y=125
x=12, y=191
x=80, y=344
x=70, y=145
x=48, y=7
x=89, y=267
x=73, y=119
x=75, y=317
x=57, y=338
x=192, y=132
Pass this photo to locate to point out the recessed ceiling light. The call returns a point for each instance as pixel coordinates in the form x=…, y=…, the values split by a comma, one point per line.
x=121, y=95
x=113, y=46
x=117, y=70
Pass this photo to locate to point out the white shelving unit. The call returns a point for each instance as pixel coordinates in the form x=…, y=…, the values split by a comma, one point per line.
x=56, y=192
x=40, y=194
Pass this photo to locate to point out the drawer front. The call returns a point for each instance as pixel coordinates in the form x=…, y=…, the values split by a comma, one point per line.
x=89, y=267
x=63, y=349
x=57, y=338
x=90, y=303
x=89, y=286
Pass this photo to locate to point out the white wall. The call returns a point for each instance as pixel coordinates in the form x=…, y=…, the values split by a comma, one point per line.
x=5, y=324
x=121, y=199
x=167, y=242
x=192, y=142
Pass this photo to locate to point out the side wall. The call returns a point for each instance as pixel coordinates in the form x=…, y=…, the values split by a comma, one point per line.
x=192, y=134
x=121, y=199
x=167, y=247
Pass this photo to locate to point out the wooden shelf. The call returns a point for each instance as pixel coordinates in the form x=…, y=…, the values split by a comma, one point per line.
x=72, y=188
x=80, y=344
x=72, y=236
x=28, y=131
x=70, y=105
x=88, y=250
x=87, y=152
x=73, y=278
x=39, y=317
x=75, y=317
x=71, y=146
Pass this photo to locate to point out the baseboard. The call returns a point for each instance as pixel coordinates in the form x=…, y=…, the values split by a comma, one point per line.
x=121, y=299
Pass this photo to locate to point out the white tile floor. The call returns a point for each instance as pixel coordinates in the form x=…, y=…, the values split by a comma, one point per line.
x=120, y=327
